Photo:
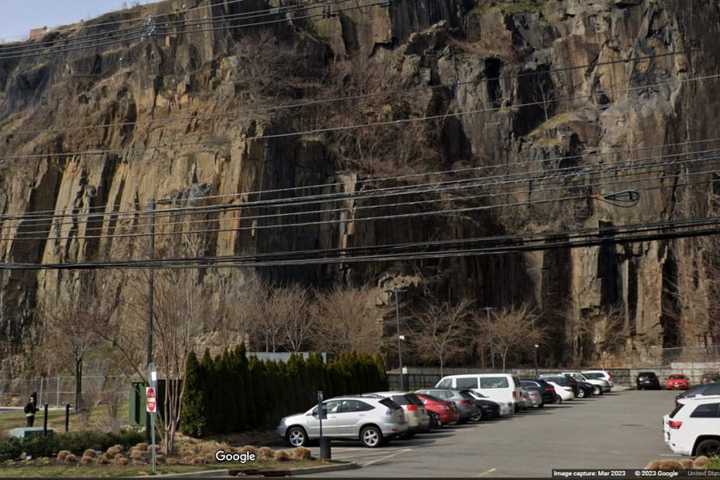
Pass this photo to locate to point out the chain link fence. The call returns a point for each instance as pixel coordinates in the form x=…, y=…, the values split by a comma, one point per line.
x=57, y=391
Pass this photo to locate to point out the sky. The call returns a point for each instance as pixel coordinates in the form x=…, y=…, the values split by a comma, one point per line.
x=19, y=16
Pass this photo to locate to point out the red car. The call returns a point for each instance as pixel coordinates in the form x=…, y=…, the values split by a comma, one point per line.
x=441, y=411
x=677, y=382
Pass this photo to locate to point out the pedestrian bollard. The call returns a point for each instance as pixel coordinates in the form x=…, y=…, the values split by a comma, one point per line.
x=45, y=419
x=67, y=417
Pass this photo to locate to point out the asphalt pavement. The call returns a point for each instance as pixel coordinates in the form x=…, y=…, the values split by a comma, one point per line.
x=616, y=430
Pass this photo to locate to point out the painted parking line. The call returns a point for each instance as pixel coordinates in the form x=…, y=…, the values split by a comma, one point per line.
x=486, y=472
x=386, y=457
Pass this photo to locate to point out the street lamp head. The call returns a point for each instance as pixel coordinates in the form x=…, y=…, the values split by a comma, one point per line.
x=537, y=346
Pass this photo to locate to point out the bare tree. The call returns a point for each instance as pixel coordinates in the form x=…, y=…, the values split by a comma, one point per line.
x=347, y=320
x=511, y=330
x=440, y=331
x=293, y=304
x=71, y=321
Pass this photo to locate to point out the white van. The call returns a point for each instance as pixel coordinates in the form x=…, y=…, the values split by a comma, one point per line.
x=498, y=387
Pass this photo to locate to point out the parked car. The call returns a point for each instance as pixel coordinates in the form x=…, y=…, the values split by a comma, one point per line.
x=544, y=390
x=489, y=408
x=693, y=427
x=580, y=389
x=370, y=420
x=705, y=390
x=710, y=377
x=441, y=412
x=600, y=374
x=677, y=382
x=500, y=387
x=465, y=404
x=647, y=380
x=533, y=399
x=417, y=418
x=563, y=391
x=600, y=385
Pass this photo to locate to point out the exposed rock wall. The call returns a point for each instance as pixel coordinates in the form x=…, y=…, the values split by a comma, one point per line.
x=177, y=113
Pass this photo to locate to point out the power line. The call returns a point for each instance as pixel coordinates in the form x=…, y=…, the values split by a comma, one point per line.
x=447, y=211
x=545, y=242
x=403, y=92
x=52, y=213
x=573, y=172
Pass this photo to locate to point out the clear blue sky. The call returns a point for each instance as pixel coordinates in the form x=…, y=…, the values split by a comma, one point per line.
x=19, y=16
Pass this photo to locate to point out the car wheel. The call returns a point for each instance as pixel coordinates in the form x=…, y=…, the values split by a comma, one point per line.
x=597, y=391
x=371, y=437
x=709, y=448
x=558, y=399
x=435, y=421
x=296, y=437
x=581, y=393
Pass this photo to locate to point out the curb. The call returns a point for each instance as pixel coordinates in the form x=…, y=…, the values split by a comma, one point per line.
x=326, y=468
x=214, y=473
x=339, y=467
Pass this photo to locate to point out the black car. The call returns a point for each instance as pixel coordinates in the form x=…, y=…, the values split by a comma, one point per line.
x=547, y=391
x=489, y=408
x=710, y=377
x=581, y=389
x=647, y=380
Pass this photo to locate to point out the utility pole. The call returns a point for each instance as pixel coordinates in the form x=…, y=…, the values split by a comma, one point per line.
x=399, y=338
x=151, y=309
x=492, y=353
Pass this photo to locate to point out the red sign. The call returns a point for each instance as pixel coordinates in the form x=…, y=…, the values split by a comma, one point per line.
x=151, y=401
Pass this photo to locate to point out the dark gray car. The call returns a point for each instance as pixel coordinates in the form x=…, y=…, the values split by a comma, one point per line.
x=466, y=406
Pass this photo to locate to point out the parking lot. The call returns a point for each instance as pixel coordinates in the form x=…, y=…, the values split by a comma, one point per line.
x=621, y=430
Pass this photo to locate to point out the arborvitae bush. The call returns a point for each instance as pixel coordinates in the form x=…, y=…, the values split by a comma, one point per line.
x=231, y=393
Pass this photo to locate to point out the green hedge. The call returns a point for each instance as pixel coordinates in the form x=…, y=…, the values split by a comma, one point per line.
x=231, y=393
x=76, y=442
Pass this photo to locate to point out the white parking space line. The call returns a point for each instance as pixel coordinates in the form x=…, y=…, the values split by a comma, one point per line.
x=486, y=472
x=386, y=457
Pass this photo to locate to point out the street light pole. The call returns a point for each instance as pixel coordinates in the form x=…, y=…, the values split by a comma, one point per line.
x=151, y=311
x=399, y=338
x=536, y=360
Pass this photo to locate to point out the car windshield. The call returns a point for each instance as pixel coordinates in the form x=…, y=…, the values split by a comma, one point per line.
x=594, y=376
x=677, y=377
x=646, y=374
x=494, y=382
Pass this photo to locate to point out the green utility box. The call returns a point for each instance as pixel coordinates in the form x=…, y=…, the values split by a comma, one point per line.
x=137, y=401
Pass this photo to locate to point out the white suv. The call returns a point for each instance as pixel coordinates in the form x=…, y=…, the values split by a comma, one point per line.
x=693, y=428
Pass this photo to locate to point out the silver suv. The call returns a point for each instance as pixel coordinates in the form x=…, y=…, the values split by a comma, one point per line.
x=370, y=420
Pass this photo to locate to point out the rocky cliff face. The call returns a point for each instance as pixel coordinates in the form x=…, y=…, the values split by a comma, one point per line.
x=171, y=115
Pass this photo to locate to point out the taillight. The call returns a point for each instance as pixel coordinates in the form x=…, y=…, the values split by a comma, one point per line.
x=412, y=408
x=515, y=394
x=674, y=424
x=549, y=388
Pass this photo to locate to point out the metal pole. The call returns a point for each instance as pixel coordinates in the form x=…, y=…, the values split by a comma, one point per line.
x=536, y=360
x=149, y=429
x=45, y=419
x=153, y=384
x=399, y=339
x=57, y=396
x=67, y=417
